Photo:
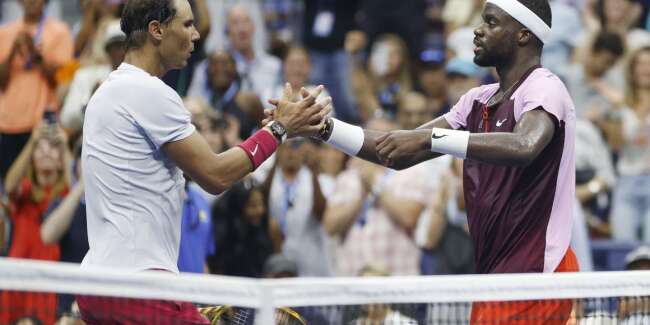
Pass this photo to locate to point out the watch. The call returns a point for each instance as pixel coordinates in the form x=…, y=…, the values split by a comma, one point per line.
x=278, y=130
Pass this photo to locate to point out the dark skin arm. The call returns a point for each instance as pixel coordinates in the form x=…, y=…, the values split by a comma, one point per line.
x=369, y=149
x=532, y=133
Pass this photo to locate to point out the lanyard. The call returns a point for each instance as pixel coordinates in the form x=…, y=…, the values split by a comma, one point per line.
x=288, y=202
x=220, y=103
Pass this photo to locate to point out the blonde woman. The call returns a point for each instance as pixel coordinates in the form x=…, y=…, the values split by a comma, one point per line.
x=631, y=209
x=40, y=174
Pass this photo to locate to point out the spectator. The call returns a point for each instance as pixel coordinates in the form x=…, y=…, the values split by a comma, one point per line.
x=566, y=35
x=258, y=70
x=387, y=77
x=617, y=16
x=635, y=310
x=218, y=10
x=180, y=79
x=297, y=202
x=413, y=111
x=221, y=86
x=373, y=212
x=31, y=50
x=64, y=224
x=282, y=19
x=88, y=78
x=278, y=266
x=197, y=233
x=631, y=210
x=462, y=76
x=245, y=234
x=592, y=82
x=448, y=248
x=39, y=175
x=296, y=69
x=432, y=82
x=379, y=313
x=97, y=15
x=595, y=177
x=462, y=13
x=326, y=24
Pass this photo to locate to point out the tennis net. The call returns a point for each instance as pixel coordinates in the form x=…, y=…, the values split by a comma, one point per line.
x=34, y=292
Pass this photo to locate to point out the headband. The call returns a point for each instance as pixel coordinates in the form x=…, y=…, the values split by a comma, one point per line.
x=525, y=16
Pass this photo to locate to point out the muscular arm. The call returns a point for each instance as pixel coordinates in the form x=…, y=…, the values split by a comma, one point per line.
x=531, y=135
x=402, y=149
x=213, y=172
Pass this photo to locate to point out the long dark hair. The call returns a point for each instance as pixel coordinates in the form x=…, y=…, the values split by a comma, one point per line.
x=242, y=247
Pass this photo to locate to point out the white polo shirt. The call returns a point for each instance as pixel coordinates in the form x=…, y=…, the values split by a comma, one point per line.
x=134, y=192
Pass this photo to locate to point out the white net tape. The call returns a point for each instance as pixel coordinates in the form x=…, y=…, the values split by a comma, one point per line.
x=266, y=294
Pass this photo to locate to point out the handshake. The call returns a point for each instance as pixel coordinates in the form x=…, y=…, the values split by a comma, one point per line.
x=305, y=117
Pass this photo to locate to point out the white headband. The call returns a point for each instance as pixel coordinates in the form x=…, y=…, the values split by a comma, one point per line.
x=525, y=16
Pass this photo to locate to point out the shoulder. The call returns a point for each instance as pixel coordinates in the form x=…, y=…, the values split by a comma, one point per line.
x=544, y=89
x=542, y=83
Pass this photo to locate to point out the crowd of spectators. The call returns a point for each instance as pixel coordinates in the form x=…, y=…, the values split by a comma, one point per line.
x=387, y=64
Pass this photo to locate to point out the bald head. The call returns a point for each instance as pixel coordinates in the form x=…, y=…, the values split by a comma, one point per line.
x=240, y=28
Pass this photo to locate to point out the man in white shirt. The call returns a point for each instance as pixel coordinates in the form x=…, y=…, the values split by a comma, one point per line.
x=138, y=142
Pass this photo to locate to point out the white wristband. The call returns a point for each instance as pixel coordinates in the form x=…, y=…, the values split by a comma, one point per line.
x=346, y=137
x=450, y=142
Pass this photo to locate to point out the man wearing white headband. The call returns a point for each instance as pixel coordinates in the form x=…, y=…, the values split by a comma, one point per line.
x=517, y=139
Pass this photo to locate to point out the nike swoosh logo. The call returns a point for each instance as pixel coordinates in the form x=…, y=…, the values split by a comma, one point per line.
x=499, y=123
x=434, y=136
x=255, y=150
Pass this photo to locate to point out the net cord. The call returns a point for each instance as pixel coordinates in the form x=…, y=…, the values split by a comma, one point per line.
x=265, y=294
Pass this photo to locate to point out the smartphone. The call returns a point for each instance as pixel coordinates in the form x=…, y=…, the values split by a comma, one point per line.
x=49, y=117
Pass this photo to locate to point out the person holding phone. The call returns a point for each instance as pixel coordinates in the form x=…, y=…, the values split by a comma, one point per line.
x=31, y=50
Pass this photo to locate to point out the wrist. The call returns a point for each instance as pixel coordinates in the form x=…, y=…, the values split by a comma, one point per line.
x=450, y=142
x=346, y=137
x=278, y=130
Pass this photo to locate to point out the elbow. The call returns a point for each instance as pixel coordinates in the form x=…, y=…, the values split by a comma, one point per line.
x=214, y=186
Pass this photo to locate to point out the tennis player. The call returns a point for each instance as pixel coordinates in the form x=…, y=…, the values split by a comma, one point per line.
x=517, y=139
x=138, y=142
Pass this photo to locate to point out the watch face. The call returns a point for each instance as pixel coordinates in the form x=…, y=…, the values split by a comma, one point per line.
x=278, y=129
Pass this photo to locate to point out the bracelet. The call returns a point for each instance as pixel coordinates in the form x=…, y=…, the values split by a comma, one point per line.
x=345, y=137
x=450, y=142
